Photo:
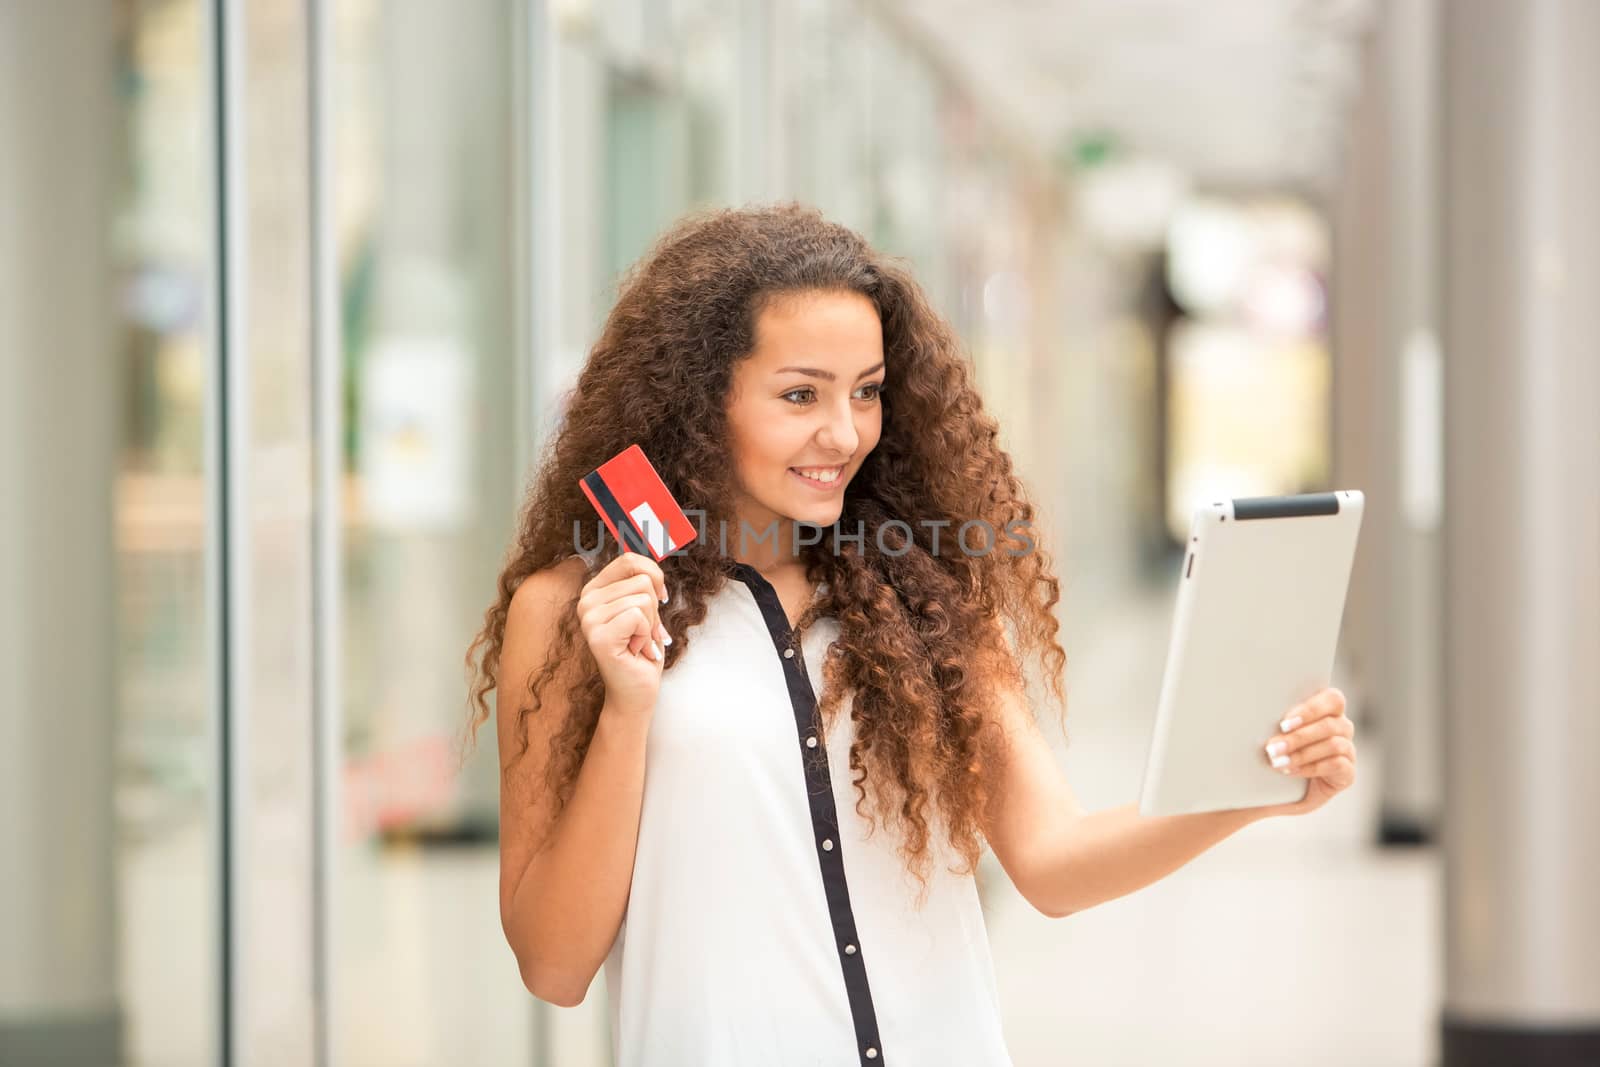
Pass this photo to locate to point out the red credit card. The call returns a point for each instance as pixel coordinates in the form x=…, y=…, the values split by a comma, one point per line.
x=636, y=506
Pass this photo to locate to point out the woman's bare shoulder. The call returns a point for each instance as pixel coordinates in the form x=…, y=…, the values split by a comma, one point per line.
x=550, y=587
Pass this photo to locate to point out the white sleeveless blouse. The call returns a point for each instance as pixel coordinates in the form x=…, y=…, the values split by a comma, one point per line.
x=764, y=927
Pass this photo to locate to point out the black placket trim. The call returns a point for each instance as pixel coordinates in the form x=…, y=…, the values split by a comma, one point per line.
x=824, y=815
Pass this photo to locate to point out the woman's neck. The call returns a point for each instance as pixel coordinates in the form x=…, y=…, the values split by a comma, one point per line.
x=766, y=544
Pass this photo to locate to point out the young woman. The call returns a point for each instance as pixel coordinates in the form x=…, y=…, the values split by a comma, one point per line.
x=753, y=781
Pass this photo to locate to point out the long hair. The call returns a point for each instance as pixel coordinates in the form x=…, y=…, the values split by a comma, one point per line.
x=926, y=637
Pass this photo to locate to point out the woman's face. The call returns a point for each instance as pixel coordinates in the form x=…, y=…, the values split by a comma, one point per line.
x=804, y=409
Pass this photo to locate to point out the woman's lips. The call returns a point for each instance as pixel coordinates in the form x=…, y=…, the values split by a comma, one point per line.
x=819, y=486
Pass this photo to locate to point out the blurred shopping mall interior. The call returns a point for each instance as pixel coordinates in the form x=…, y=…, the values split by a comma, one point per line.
x=290, y=292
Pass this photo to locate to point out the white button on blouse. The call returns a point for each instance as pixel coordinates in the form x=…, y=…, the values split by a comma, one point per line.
x=787, y=936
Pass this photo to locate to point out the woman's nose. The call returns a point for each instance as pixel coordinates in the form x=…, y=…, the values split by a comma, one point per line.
x=839, y=433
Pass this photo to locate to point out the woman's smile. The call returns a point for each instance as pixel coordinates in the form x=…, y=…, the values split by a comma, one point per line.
x=823, y=479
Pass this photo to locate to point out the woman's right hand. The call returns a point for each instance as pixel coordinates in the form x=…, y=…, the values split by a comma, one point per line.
x=619, y=612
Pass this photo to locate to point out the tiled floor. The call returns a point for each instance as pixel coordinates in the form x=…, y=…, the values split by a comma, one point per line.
x=1294, y=941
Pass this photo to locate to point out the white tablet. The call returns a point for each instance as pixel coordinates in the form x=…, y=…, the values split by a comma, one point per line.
x=1260, y=602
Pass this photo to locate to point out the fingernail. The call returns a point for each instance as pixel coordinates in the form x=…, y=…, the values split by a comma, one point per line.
x=665, y=637
x=1276, y=748
x=660, y=654
x=666, y=594
x=1289, y=724
x=1280, y=761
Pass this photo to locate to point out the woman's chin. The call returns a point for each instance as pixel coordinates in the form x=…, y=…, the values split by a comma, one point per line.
x=818, y=513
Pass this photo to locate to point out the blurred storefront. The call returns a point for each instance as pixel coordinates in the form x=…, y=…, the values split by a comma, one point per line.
x=355, y=253
x=349, y=274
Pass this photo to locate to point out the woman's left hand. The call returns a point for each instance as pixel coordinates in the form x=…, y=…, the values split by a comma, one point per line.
x=1319, y=746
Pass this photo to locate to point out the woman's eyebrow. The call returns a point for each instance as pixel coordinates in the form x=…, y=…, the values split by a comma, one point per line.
x=828, y=375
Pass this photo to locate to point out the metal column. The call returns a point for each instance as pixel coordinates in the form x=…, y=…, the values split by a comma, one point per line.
x=1521, y=269
x=59, y=438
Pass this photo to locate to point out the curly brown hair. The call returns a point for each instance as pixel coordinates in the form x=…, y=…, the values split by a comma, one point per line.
x=923, y=641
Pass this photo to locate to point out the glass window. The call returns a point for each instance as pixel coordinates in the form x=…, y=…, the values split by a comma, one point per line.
x=163, y=252
x=425, y=221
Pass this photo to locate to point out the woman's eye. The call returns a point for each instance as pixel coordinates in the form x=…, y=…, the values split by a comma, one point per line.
x=808, y=394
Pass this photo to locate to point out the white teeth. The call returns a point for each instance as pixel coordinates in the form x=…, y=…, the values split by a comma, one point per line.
x=824, y=475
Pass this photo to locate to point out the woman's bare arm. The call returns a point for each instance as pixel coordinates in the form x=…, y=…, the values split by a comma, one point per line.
x=561, y=906
x=1063, y=860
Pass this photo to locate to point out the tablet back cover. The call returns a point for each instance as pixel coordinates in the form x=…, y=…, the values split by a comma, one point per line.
x=1260, y=606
